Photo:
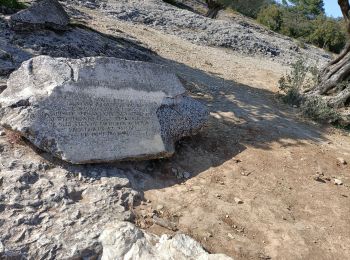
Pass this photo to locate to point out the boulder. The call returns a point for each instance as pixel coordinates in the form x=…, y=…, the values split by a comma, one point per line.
x=123, y=240
x=42, y=14
x=99, y=109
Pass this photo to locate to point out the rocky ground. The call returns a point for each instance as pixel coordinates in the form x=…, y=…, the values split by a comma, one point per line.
x=257, y=183
x=231, y=31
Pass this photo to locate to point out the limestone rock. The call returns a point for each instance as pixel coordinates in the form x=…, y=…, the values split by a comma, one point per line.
x=123, y=240
x=42, y=14
x=99, y=109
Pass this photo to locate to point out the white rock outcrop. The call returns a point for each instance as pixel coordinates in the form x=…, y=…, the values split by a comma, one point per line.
x=124, y=241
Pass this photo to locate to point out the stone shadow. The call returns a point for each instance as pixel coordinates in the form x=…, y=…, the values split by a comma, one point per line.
x=77, y=42
x=241, y=116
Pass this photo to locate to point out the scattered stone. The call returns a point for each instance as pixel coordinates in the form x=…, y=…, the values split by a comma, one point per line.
x=99, y=109
x=244, y=173
x=187, y=175
x=159, y=207
x=319, y=177
x=125, y=241
x=41, y=15
x=338, y=182
x=238, y=200
x=2, y=133
x=230, y=236
x=342, y=161
x=164, y=223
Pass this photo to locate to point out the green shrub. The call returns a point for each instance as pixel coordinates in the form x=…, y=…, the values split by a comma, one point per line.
x=303, y=78
x=304, y=25
x=13, y=4
x=249, y=8
x=316, y=108
x=328, y=33
x=272, y=17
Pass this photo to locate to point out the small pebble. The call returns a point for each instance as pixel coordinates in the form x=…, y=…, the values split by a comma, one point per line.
x=186, y=175
x=338, y=182
x=238, y=200
x=2, y=133
x=160, y=207
x=342, y=161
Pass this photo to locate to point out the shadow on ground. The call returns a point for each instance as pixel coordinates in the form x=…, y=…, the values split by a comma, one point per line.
x=241, y=116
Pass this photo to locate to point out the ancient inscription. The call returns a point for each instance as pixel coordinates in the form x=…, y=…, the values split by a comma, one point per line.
x=84, y=116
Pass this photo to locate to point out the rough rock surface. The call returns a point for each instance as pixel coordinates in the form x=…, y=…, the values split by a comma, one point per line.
x=123, y=240
x=42, y=14
x=236, y=34
x=77, y=42
x=57, y=212
x=54, y=210
x=99, y=109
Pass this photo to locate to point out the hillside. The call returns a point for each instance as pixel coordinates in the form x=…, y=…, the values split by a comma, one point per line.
x=258, y=182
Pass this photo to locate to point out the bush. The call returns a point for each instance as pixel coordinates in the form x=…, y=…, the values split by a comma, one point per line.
x=322, y=31
x=303, y=78
x=272, y=17
x=317, y=109
x=13, y=4
x=328, y=33
x=249, y=8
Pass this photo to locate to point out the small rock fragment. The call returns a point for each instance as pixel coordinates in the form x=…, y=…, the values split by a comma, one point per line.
x=338, y=182
x=238, y=200
x=160, y=207
x=186, y=175
x=342, y=161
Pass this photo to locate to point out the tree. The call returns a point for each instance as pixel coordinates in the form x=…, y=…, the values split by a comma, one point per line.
x=214, y=6
x=334, y=84
x=310, y=8
x=272, y=17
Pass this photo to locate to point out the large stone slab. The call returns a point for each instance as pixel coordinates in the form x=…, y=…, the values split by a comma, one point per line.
x=42, y=14
x=99, y=109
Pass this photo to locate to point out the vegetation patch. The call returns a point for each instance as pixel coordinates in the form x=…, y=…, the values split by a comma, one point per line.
x=13, y=4
x=301, y=79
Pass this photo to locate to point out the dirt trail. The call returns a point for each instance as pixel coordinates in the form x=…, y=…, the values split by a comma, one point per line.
x=255, y=149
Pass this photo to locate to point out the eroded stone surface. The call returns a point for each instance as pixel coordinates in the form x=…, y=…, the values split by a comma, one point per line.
x=99, y=109
x=42, y=14
x=122, y=240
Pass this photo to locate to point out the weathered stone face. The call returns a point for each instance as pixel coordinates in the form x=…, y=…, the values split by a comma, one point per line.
x=42, y=14
x=99, y=109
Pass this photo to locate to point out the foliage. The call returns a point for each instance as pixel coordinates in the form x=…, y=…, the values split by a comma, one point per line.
x=272, y=17
x=294, y=21
x=13, y=4
x=317, y=109
x=303, y=78
x=306, y=7
x=328, y=33
x=249, y=8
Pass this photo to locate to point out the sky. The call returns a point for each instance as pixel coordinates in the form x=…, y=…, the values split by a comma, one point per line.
x=332, y=8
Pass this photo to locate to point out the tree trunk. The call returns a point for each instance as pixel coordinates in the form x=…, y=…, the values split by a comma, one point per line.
x=334, y=83
x=213, y=8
